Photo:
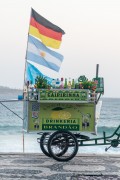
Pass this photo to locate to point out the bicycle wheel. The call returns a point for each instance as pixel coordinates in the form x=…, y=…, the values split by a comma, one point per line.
x=61, y=141
x=44, y=144
x=63, y=144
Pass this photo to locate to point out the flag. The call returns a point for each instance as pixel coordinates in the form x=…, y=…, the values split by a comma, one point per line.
x=32, y=72
x=40, y=54
x=47, y=32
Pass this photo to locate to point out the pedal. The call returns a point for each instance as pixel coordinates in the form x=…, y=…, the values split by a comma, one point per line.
x=114, y=143
x=106, y=149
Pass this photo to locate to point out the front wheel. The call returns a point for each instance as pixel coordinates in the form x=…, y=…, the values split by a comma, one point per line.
x=61, y=141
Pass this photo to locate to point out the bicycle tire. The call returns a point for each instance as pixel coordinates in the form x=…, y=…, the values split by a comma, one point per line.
x=72, y=142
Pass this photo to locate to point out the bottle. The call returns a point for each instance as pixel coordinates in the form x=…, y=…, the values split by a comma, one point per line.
x=73, y=84
x=53, y=83
x=61, y=84
x=27, y=84
x=31, y=90
x=57, y=85
x=65, y=84
x=76, y=84
x=69, y=84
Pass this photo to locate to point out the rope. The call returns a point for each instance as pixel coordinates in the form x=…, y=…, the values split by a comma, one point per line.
x=16, y=115
x=10, y=109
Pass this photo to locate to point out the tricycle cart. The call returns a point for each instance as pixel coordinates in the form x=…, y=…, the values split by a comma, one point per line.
x=60, y=116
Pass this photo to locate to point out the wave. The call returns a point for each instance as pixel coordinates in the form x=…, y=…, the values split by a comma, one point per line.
x=10, y=126
x=107, y=130
x=10, y=129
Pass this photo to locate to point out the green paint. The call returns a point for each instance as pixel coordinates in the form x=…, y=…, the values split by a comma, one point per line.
x=70, y=116
x=60, y=121
x=60, y=127
x=100, y=84
x=64, y=94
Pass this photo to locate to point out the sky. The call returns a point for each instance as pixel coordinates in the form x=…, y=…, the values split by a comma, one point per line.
x=92, y=36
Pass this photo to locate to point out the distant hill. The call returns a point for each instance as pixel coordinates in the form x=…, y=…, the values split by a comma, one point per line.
x=9, y=90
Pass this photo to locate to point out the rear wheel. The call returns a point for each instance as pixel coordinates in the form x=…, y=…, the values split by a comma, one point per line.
x=44, y=143
x=62, y=146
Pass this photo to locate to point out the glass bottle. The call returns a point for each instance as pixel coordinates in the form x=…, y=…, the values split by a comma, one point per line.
x=73, y=84
x=61, y=84
x=57, y=85
x=53, y=83
x=65, y=84
x=69, y=84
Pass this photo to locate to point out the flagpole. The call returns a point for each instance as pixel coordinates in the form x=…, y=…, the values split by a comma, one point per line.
x=23, y=137
x=26, y=50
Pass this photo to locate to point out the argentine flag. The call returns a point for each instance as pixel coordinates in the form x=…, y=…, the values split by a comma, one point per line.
x=37, y=52
x=32, y=72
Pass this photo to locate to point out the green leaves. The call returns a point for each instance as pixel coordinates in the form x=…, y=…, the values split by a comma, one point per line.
x=41, y=82
x=82, y=78
x=91, y=85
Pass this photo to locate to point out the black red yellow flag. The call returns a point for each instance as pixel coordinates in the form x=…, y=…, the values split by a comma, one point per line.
x=47, y=32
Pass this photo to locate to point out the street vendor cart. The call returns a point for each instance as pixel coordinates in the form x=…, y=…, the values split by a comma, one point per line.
x=61, y=116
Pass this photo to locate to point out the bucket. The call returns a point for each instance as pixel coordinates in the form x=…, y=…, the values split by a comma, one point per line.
x=20, y=97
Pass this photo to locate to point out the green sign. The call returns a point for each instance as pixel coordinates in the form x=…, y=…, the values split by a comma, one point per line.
x=100, y=84
x=63, y=124
x=80, y=95
x=61, y=116
x=60, y=127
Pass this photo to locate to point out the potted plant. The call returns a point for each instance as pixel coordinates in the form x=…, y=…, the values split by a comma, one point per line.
x=91, y=85
x=41, y=82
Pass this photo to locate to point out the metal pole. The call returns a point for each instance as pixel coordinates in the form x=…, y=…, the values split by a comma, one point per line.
x=25, y=78
x=23, y=142
x=97, y=69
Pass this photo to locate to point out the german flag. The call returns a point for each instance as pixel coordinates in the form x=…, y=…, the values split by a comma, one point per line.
x=47, y=32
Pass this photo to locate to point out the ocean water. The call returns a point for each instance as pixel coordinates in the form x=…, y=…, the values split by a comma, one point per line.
x=11, y=131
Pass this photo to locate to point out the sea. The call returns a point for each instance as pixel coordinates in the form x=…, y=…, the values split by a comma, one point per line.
x=14, y=139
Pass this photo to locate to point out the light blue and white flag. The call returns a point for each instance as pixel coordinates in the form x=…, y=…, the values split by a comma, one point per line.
x=40, y=54
x=32, y=72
